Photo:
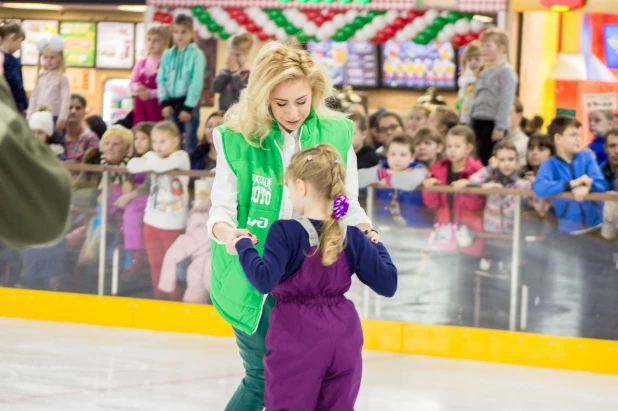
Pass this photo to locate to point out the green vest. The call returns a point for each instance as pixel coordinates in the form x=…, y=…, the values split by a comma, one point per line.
x=260, y=175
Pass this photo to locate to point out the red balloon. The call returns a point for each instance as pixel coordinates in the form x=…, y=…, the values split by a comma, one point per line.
x=458, y=40
x=242, y=19
x=157, y=16
x=412, y=14
x=311, y=14
x=379, y=38
x=251, y=27
x=331, y=14
x=388, y=32
x=398, y=25
x=167, y=18
x=469, y=38
x=262, y=36
x=399, y=22
x=319, y=20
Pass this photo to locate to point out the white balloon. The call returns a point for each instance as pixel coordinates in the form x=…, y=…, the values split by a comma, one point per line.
x=410, y=31
x=379, y=22
x=327, y=27
x=261, y=19
x=301, y=19
x=476, y=26
x=360, y=37
x=444, y=13
x=270, y=28
x=462, y=26
x=401, y=37
x=310, y=28
x=281, y=34
x=231, y=27
x=288, y=13
x=350, y=15
x=322, y=35
x=449, y=30
x=391, y=15
x=252, y=11
x=419, y=24
x=203, y=32
x=369, y=31
x=430, y=16
x=339, y=20
x=442, y=37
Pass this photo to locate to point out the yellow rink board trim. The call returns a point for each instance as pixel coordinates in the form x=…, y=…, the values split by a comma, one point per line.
x=433, y=340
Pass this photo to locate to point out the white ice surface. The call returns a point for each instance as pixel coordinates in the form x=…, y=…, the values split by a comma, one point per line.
x=48, y=366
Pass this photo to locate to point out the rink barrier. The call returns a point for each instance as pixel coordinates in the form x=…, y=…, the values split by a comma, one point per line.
x=568, y=353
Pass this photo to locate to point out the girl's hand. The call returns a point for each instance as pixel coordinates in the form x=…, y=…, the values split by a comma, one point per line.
x=167, y=112
x=529, y=176
x=233, y=236
x=184, y=117
x=123, y=200
x=431, y=182
x=251, y=237
x=493, y=162
x=460, y=183
x=143, y=93
x=60, y=125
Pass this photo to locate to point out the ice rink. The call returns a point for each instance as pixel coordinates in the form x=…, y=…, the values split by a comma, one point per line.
x=62, y=367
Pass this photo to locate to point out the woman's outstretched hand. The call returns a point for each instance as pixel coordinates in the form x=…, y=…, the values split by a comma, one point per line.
x=236, y=234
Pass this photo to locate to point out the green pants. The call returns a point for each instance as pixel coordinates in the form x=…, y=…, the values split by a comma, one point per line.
x=250, y=393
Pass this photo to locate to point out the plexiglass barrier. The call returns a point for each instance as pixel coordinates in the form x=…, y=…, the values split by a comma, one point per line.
x=496, y=258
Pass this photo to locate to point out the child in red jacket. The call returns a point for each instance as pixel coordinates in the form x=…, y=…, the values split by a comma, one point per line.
x=458, y=216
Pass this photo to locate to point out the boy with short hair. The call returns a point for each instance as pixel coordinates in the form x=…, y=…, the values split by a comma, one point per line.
x=180, y=81
x=233, y=78
x=571, y=170
x=494, y=95
x=402, y=202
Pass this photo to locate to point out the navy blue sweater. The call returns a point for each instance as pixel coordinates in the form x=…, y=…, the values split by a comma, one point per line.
x=12, y=74
x=286, y=248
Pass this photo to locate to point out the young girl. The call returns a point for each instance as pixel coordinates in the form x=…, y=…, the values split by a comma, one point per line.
x=165, y=218
x=42, y=125
x=235, y=75
x=11, y=37
x=180, y=80
x=307, y=265
x=134, y=204
x=540, y=148
x=366, y=156
x=52, y=87
x=144, y=77
x=458, y=216
x=442, y=119
x=471, y=64
x=417, y=118
x=204, y=157
x=428, y=146
x=502, y=172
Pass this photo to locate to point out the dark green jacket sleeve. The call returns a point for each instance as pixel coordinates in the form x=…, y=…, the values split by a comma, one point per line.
x=35, y=189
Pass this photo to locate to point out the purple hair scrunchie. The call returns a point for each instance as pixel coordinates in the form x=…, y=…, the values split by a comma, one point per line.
x=341, y=205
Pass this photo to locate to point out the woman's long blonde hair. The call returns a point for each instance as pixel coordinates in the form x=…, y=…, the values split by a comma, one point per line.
x=321, y=167
x=276, y=62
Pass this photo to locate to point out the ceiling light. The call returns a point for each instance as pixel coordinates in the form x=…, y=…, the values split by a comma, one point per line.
x=132, y=9
x=484, y=19
x=33, y=6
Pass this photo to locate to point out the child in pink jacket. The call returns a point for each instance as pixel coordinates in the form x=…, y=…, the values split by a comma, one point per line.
x=195, y=243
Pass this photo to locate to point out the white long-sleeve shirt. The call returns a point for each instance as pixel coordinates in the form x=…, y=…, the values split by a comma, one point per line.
x=168, y=202
x=224, y=193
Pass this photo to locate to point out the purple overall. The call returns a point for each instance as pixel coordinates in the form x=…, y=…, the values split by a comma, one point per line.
x=133, y=218
x=314, y=341
x=149, y=110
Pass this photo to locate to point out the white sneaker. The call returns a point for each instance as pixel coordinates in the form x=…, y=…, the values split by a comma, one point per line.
x=464, y=236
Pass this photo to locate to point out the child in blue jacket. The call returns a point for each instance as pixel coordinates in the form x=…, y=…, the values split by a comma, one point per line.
x=180, y=81
x=575, y=171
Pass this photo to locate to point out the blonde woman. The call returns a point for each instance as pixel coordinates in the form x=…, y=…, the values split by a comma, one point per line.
x=281, y=111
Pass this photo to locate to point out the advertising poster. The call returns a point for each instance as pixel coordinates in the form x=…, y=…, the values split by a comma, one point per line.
x=414, y=66
x=35, y=30
x=115, y=45
x=79, y=43
x=140, y=41
x=348, y=62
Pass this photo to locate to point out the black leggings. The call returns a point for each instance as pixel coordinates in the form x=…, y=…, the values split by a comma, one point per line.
x=484, y=145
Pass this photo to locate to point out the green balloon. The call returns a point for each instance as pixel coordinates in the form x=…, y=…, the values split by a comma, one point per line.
x=421, y=38
x=339, y=36
x=197, y=10
x=439, y=21
x=224, y=35
x=303, y=1
x=302, y=37
x=290, y=29
x=371, y=14
x=452, y=16
x=430, y=32
x=212, y=27
x=363, y=1
x=273, y=13
x=469, y=16
x=315, y=1
x=280, y=21
x=359, y=22
x=348, y=31
x=345, y=2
